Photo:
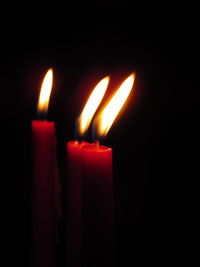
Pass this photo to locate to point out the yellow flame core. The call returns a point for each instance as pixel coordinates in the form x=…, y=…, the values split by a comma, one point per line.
x=45, y=92
x=108, y=115
x=92, y=105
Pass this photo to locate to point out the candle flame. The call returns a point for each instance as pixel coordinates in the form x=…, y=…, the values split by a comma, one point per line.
x=106, y=118
x=45, y=92
x=92, y=105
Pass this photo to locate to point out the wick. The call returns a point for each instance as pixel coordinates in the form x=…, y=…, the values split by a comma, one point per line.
x=97, y=143
x=79, y=142
x=41, y=116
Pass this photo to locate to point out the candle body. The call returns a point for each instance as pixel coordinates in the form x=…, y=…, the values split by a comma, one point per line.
x=98, y=206
x=74, y=202
x=44, y=196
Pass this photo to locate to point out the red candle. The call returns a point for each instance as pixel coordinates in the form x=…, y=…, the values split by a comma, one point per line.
x=74, y=198
x=98, y=196
x=44, y=184
x=98, y=206
x=74, y=182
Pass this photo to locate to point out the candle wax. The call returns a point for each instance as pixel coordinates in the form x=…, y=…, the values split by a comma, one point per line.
x=98, y=206
x=74, y=205
x=44, y=195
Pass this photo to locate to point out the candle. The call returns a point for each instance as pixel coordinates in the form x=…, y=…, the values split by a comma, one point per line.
x=98, y=195
x=44, y=184
x=98, y=206
x=74, y=188
x=74, y=182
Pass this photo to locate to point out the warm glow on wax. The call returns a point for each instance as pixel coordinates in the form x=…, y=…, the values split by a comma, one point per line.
x=45, y=92
x=92, y=105
x=110, y=112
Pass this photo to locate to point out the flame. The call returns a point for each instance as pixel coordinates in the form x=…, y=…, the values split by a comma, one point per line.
x=92, y=105
x=107, y=116
x=45, y=92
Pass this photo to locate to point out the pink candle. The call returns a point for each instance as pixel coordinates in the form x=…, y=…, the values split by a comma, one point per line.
x=44, y=184
x=74, y=200
x=44, y=202
x=98, y=206
x=74, y=178
x=98, y=196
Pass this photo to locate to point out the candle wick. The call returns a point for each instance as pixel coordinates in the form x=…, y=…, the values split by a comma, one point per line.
x=41, y=116
x=97, y=143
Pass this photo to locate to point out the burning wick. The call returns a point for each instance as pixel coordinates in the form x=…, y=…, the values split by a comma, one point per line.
x=97, y=143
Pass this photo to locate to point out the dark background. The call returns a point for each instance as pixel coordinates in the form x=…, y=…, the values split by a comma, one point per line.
x=155, y=141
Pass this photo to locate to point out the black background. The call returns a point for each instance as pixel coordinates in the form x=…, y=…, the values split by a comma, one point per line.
x=155, y=140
